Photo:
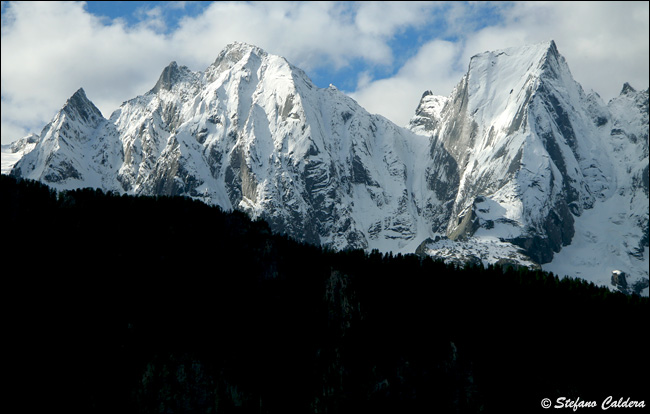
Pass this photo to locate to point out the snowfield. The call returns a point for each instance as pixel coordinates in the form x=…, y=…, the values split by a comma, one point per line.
x=518, y=165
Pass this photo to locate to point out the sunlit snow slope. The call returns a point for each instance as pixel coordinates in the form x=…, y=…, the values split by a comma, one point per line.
x=518, y=165
x=542, y=165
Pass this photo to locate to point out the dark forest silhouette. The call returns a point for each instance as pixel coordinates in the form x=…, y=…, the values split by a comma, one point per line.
x=167, y=305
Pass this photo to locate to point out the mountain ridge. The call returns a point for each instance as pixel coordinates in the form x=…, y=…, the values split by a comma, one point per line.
x=532, y=164
x=513, y=157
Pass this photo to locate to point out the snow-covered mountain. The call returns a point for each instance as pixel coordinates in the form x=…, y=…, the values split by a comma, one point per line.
x=12, y=153
x=251, y=132
x=518, y=164
x=537, y=162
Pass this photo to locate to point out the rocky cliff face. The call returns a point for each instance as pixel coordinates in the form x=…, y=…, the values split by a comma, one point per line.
x=78, y=148
x=509, y=128
x=528, y=152
x=253, y=133
x=509, y=162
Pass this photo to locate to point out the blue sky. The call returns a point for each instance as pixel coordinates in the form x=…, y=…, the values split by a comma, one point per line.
x=383, y=54
x=134, y=12
x=403, y=43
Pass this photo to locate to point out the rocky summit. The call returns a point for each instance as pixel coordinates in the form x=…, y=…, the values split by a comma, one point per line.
x=518, y=165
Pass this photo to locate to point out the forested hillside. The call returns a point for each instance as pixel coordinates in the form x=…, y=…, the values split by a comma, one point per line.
x=166, y=305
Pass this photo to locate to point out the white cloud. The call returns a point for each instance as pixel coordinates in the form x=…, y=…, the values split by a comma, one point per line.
x=309, y=34
x=152, y=18
x=384, y=18
x=398, y=96
x=50, y=49
x=605, y=44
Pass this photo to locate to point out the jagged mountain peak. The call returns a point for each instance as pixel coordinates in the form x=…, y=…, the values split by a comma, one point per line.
x=627, y=89
x=237, y=55
x=536, y=48
x=520, y=65
x=510, y=127
x=241, y=48
x=80, y=94
x=170, y=76
x=79, y=105
x=240, y=56
x=529, y=154
x=252, y=132
x=511, y=157
x=427, y=113
x=21, y=144
x=529, y=53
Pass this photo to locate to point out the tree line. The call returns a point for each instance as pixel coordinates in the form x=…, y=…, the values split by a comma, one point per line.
x=167, y=305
